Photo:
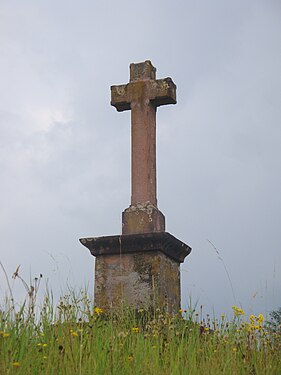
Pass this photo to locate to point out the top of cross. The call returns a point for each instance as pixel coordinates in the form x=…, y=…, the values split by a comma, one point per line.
x=143, y=86
x=142, y=71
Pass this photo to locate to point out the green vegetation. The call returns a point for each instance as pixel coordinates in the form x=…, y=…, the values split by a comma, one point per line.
x=274, y=324
x=75, y=337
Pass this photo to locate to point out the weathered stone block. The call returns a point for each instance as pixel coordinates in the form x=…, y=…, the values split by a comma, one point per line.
x=142, y=218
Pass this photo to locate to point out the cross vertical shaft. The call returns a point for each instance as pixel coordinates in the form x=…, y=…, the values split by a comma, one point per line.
x=143, y=167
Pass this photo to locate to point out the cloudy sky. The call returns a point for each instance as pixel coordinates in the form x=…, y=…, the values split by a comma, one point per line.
x=65, y=152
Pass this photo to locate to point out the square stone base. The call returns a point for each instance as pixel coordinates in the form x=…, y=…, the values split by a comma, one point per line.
x=138, y=280
x=137, y=270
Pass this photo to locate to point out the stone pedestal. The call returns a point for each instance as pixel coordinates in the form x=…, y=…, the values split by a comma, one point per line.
x=137, y=270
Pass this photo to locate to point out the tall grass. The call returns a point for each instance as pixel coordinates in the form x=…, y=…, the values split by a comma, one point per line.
x=76, y=337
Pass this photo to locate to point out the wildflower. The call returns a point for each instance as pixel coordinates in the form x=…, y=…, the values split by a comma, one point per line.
x=5, y=334
x=39, y=344
x=154, y=346
x=44, y=345
x=237, y=311
x=74, y=334
x=98, y=310
x=130, y=358
x=45, y=357
x=222, y=316
x=206, y=329
x=234, y=349
x=16, y=364
x=252, y=318
x=260, y=318
x=135, y=329
x=258, y=327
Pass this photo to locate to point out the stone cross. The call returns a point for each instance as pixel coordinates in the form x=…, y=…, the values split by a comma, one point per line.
x=142, y=96
x=140, y=267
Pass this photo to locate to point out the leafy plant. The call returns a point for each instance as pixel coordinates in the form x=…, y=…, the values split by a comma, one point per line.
x=274, y=323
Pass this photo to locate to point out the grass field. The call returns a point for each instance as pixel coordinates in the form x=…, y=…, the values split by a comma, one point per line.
x=76, y=337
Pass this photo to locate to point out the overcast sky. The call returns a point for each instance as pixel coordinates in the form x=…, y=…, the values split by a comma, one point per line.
x=65, y=152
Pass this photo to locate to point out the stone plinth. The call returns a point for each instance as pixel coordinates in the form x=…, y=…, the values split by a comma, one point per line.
x=142, y=218
x=137, y=270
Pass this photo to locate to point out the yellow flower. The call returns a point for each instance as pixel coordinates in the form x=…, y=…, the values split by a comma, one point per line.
x=44, y=345
x=98, y=310
x=45, y=357
x=237, y=311
x=74, y=334
x=252, y=318
x=234, y=349
x=16, y=364
x=5, y=334
x=130, y=358
x=135, y=329
x=260, y=318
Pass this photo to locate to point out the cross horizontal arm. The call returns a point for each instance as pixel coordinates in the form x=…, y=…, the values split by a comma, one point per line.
x=120, y=97
x=158, y=92
x=163, y=91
